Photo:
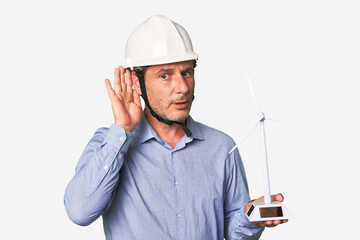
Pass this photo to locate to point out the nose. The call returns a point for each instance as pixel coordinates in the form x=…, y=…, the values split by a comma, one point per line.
x=181, y=84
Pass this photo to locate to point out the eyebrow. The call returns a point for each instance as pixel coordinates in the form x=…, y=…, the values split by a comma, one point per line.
x=188, y=69
x=171, y=69
x=164, y=70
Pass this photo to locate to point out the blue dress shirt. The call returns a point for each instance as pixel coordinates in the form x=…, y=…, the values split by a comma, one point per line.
x=145, y=189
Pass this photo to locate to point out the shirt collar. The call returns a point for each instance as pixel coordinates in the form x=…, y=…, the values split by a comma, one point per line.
x=145, y=132
x=194, y=128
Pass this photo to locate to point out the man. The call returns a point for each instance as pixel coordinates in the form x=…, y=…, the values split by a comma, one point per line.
x=158, y=174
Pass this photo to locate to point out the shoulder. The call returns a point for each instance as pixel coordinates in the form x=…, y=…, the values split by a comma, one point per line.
x=215, y=136
x=218, y=146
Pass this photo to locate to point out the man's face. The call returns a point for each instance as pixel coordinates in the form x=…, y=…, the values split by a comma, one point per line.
x=170, y=89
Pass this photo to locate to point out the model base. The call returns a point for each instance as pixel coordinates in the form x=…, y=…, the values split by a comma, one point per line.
x=260, y=211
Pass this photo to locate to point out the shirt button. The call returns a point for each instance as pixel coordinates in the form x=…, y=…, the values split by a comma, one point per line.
x=106, y=167
x=178, y=216
x=121, y=138
x=176, y=183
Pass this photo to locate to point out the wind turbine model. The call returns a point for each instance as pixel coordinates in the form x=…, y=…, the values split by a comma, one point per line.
x=267, y=210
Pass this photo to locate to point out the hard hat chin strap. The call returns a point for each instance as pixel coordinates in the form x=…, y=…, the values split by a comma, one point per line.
x=140, y=74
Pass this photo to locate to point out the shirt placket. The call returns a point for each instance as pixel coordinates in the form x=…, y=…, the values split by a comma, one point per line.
x=176, y=184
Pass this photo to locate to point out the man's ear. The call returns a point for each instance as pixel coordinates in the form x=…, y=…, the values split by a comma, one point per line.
x=136, y=82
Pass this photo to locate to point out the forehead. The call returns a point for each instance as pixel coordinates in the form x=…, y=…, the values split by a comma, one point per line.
x=172, y=66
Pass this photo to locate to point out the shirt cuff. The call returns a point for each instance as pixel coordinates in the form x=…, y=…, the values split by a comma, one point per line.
x=243, y=219
x=243, y=227
x=117, y=136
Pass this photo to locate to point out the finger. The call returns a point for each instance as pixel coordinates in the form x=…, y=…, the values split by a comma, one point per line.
x=110, y=90
x=268, y=223
x=117, y=85
x=122, y=79
x=263, y=224
x=276, y=222
x=271, y=223
x=129, y=83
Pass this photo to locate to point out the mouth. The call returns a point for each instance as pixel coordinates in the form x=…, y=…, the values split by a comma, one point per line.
x=181, y=104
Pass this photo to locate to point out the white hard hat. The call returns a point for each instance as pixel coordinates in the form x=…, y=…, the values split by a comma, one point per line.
x=158, y=41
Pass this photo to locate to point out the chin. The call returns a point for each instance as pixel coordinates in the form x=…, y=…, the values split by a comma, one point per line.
x=177, y=117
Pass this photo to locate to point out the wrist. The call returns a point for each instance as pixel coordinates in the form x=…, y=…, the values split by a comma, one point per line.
x=247, y=206
x=127, y=128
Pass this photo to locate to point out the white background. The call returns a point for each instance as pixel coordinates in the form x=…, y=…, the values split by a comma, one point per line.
x=302, y=56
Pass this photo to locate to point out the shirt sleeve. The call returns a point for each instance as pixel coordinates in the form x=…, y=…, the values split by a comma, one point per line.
x=237, y=226
x=90, y=192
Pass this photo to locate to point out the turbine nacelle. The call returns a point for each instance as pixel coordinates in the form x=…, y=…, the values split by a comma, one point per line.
x=262, y=117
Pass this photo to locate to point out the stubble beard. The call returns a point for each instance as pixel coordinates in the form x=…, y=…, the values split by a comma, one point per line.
x=166, y=111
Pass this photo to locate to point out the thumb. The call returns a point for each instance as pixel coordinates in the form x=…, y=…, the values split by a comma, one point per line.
x=278, y=197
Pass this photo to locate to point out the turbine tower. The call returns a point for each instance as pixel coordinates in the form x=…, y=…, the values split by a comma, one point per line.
x=267, y=210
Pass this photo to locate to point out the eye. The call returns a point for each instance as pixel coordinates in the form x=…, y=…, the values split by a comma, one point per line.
x=164, y=76
x=185, y=74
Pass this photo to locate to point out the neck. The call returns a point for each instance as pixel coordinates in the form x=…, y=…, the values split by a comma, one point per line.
x=171, y=134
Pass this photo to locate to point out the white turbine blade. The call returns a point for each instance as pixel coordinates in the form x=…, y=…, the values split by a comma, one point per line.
x=286, y=121
x=245, y=136
x=254, y=95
